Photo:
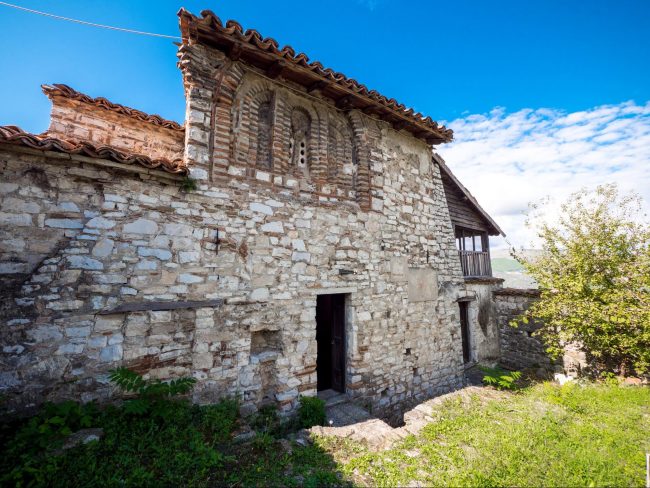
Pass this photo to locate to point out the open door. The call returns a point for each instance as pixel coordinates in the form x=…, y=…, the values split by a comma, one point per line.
x=464, y=330
x=330, y=338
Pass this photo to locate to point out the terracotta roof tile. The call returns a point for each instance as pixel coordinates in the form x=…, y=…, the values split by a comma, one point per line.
x=60, y=90
x=396, y=112
x=10, y=134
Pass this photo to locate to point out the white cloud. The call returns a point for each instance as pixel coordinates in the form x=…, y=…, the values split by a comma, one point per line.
x=510, y=159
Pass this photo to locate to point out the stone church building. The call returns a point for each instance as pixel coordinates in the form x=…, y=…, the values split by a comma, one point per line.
x=296, y=234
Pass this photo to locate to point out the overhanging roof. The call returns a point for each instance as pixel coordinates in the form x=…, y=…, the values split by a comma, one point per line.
x=12, y=135
x=61, y=90
x=468, y=197
x=346, y=93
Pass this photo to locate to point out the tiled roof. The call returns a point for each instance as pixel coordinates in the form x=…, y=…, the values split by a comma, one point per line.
x=60, y=90
x=266, y=54
x=10, y=134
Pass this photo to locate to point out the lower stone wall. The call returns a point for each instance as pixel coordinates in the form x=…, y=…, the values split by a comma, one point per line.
x=520, y=349
x=483, y=324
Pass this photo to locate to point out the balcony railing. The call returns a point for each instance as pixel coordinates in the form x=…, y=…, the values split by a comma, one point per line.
x=475, y=263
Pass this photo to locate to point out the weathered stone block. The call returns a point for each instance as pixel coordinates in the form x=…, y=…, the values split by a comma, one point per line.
x=422, y=285
x=84, y=262
x=111, y=353
x=141, y=226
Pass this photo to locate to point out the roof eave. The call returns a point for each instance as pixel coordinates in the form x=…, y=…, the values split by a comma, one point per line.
x=344, y=92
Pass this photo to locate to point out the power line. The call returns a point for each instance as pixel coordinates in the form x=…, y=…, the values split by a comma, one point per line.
x=58, y=17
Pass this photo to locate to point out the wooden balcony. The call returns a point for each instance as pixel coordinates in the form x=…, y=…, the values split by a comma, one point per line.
x=475, y=263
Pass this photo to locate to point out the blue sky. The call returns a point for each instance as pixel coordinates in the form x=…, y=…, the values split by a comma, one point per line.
x=445, y=59
x=552, y=91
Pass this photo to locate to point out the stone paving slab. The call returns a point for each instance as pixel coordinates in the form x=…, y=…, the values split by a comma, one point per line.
x=353, y=422
x=343, y=414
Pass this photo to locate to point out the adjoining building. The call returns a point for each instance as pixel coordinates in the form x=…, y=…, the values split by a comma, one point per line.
x=296, y=234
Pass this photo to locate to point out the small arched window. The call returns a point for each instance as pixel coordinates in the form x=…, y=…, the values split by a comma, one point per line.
x=264, y=128
x=299, y=141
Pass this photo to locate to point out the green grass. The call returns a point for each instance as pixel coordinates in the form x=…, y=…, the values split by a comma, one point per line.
x=545, y=436
x=174, y=444
x=594, y=435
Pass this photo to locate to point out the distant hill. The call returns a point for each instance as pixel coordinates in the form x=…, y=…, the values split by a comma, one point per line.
x=504, y=266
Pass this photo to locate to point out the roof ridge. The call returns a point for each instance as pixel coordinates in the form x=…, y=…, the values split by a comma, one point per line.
x=59, y=89
x=234, y=30
x=12, y=134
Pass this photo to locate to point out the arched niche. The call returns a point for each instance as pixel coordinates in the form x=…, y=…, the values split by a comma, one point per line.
x=300, y=141
x=252, y=129
x=341, y=156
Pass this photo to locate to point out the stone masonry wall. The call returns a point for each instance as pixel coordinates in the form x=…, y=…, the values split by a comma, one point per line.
x=483, y=320
x=519, y=348
x=78, y=240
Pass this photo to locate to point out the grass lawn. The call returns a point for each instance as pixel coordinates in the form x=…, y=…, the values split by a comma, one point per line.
x=574, y=435
x=594, y=435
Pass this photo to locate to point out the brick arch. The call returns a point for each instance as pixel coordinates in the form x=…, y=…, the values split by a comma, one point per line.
x=341, y=155
x=221, y=89
x=315, y=163
x=245, y=133
x=366, y=135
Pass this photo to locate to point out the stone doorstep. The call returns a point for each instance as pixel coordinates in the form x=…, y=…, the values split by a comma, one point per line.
x=332, y=397
x=343, y=414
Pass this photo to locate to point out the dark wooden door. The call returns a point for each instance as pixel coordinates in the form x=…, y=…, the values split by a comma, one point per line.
x=464, y=330
x=338, y=342
x=330, y=338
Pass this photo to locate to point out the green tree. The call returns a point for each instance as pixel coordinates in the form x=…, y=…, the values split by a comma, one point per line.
x=594, y=277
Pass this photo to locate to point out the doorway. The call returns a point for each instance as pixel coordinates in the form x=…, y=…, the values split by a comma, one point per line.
x=464, y=330
x=330, y=339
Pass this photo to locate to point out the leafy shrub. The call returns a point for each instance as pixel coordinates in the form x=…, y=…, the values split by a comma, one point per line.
x=136, y=450
x=188, y=184
x=266, y=419
x=132, y=382
x=263, y=441
x=594, y=278
x=26, y=456
x=151, y=394
x=311, y=412
x=219, y=420
x=500, y=378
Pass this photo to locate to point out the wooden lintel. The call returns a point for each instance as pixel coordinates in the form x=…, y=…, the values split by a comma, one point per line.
x=317, y=86
x=159, y=306
x=369, y=110
x=434, y=140
x=234, y=51
x=345, y=102
x=399, y=125
x=275, y=70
